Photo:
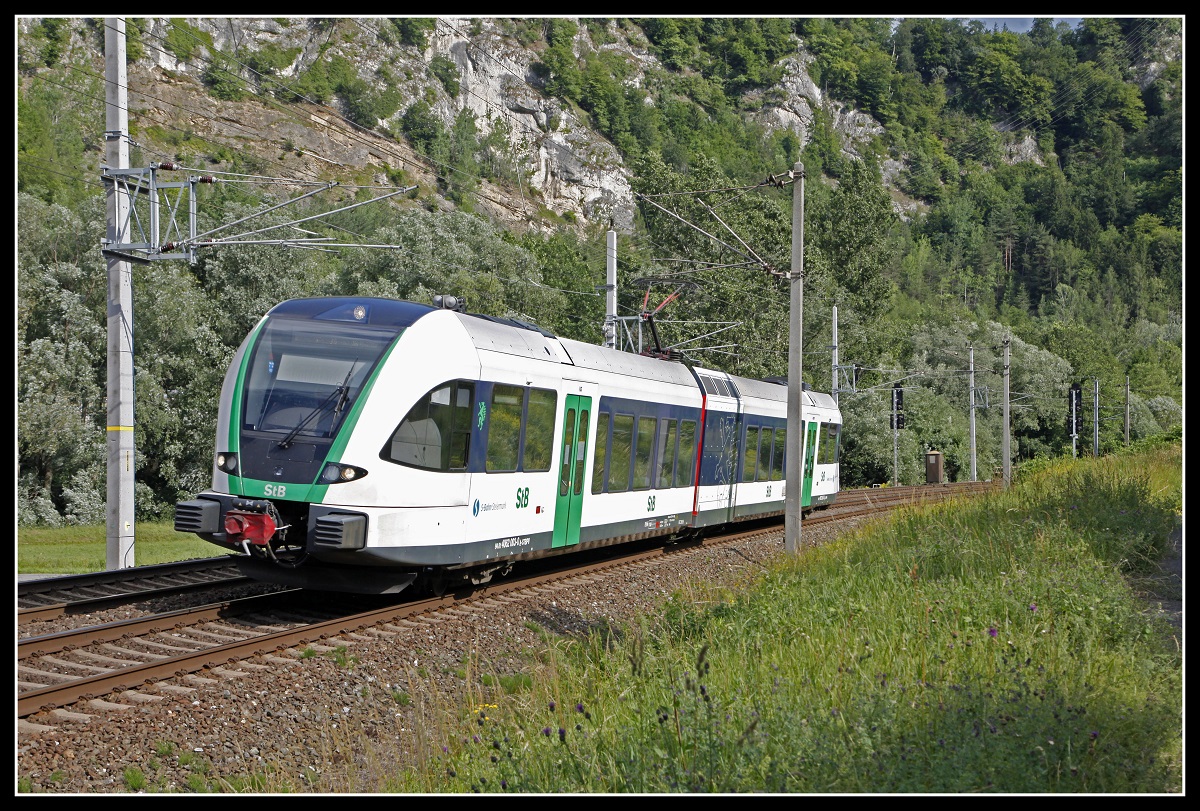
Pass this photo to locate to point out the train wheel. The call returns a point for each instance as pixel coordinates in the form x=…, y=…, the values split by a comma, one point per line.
x=436, y=583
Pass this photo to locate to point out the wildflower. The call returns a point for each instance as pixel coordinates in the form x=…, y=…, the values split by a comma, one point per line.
x=546, y=731
x=552, y=706
x=503, y=784
x=562, y=734
x=992, y=632
x=579, y=707
x=1094, y=734
x=1033, y=606
x=475, y=738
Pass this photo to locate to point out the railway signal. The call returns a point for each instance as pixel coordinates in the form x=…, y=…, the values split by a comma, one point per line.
x=1075, y=406
x=897, y=406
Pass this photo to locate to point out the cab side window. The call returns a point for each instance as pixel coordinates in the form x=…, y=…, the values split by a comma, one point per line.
x=436, y=432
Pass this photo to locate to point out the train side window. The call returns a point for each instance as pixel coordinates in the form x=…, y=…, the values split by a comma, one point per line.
x=539, y=429
x=686, y=467
x=645, y=445
x=750, y=456
x=564, y=476
x=827, y=452
x=601, y=452
x=504, y=428
x=580, y=461
x=436, y=432
x=764, y=454
x=666, y=454
x=620, y=455
x=777, y=456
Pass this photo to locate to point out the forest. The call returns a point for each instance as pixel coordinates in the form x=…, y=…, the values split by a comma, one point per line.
x=1021, y=190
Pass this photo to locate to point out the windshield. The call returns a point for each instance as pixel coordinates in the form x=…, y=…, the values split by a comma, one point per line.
x=305, y=375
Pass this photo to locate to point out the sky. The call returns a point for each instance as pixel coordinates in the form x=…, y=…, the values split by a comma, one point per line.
x=1019, y=25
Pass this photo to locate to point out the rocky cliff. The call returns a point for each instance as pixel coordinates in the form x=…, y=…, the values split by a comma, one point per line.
x=567, y=168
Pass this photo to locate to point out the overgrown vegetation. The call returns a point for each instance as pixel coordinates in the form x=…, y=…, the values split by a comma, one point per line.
x=987, y=646
x=1040, y=175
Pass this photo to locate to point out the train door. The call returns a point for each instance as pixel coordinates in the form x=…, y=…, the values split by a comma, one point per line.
x=568, y=503
x=719, y=451
x=810, y=454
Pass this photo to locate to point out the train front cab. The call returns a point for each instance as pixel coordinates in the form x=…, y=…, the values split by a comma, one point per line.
x=823, y=426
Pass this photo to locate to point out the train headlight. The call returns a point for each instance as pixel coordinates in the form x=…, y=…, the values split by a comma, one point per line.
x=335, y=473
x=227, y=463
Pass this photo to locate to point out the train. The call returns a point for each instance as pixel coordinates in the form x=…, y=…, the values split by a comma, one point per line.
x=373, y=445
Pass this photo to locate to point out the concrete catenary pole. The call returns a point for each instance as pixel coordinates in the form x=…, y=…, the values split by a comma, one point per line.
x=795, y=427
x=121, y=460
x=610, y=288
x=833, y=386
x=1127, y=411
x=973, y=468
x=895, y=437
x=1006, y=444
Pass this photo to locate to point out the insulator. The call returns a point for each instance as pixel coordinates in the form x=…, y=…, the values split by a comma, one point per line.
x=206, y=179
x=168, y=166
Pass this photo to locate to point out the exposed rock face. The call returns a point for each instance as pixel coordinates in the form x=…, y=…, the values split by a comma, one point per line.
x=563, y=165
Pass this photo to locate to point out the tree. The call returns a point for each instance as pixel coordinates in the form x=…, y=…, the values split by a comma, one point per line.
x=851, y=229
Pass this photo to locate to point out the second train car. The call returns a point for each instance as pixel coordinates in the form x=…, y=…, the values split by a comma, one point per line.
x=371, y=445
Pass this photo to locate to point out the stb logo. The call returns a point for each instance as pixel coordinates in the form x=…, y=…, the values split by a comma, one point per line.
x=475, y=508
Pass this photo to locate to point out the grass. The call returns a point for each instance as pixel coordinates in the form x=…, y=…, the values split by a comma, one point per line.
x=989, y=646
x=992, y=645
x=82, y=549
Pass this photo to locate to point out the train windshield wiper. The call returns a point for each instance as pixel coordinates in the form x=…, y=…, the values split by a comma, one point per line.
x=337, y=397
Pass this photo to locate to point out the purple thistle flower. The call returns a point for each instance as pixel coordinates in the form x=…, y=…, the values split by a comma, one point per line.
x=579, y=707
x=992, y=632
x=1095, y=734
x=562, y=734
x=546, y=731
x=552, y=706
x=1033, y=606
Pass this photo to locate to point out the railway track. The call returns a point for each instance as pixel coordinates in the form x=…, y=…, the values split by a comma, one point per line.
x=119, y=664
x=52, y=597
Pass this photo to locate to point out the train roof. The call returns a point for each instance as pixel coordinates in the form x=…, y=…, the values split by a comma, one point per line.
x=501, y=335
x=514, y=337
x=590, y=356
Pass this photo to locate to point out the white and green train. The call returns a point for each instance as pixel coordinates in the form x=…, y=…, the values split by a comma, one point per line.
x=371, y=445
